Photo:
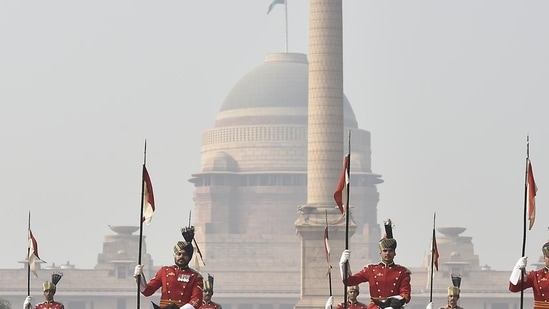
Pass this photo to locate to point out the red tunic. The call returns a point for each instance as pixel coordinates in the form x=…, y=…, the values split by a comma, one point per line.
x=538, y=280
x=49, y=305
x=357, y=305
x=210, y=305
x=385, y=280
x=179, y=286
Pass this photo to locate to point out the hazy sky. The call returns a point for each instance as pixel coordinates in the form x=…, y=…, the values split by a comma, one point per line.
x=448, y=89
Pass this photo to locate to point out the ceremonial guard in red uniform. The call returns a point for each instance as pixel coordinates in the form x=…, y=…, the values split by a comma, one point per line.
x=389, y=282
x=538, y=280
x=208, y=293
x=352, y=302
x=49, y=288
x=453, y=293
x=181, y=285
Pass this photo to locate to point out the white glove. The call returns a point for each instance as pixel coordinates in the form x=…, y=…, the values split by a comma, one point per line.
x=140, y=278
x=329, y=303
x=521, y=263
x=517, y=270
x=429, y=306
x=27, y=302
x=138, y=271
x=345, y=255
x=187, y=306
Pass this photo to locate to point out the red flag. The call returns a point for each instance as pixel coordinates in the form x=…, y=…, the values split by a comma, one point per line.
x=33, y=253
x=326, y=245
x=435, y=252
x=532, y=189
x=340, y=195
x=148, y=197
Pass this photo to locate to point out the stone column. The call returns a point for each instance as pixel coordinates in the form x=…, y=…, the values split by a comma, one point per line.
x=325, y=105
x=325, y=156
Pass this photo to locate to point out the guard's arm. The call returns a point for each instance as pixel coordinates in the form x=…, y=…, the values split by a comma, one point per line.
x=344, y=264
x=517, y=270
x=139, y=277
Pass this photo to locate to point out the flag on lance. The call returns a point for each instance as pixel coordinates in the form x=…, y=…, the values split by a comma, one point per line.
x=148, y=197
x=340, y=195
x=33, y=253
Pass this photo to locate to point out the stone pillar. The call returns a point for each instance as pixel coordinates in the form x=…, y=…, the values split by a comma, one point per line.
x=325, y=105
x=325, y=149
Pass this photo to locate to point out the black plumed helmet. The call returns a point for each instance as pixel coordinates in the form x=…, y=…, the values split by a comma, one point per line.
x=456, y=284
x=209, y=283
x=188, y=233
x=388, y=242
x=52, y=285
x=187, y=244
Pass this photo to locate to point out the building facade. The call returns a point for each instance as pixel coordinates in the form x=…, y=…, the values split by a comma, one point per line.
x=110, y=284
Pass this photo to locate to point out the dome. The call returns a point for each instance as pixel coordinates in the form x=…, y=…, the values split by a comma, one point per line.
x=281, y=82
x=262, y=124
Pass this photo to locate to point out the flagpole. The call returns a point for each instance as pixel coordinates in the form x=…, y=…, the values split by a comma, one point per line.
x=525, y=196
x=286, y=20
x=141, y=220
x=432, y=259
x=523, y=252
x=348, y=186
x=348, y=171
x=28, y=255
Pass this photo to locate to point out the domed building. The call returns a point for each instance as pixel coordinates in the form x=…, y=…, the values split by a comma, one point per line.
x=253, y=178
x=248, y=194
x=252, y=204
